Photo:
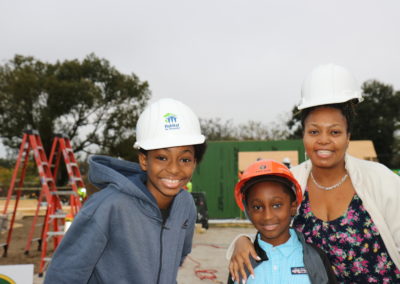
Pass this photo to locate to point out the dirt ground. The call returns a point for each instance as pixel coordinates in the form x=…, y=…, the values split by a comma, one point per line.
x=18, y=243
x=206, y=263
x=208, y=255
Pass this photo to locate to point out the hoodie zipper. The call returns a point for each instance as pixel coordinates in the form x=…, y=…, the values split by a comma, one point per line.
x=161, y=251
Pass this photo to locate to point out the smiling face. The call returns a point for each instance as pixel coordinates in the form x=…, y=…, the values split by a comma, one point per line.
x=270, y=209
x=168, y=170
x=326, y=137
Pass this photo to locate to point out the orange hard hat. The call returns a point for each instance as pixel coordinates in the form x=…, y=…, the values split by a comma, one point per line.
x=266, y=168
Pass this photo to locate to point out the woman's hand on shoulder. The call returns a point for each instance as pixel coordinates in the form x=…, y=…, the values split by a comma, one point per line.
x=240, y=259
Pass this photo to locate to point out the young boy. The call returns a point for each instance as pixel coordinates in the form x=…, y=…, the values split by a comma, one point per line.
x=269, y=195
x=138, y=228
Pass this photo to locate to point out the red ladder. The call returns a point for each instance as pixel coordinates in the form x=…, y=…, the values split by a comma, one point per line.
x=54, y=216
x=23, y=156
x=62, y=145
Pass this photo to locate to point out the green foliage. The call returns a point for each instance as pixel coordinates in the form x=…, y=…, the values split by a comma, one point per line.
x=396, y=151
x=89, y=100
x=5, y=178
x=378, y=118
x=294, y=125
x=5, y=163
x=6, y=172
x=217, y=130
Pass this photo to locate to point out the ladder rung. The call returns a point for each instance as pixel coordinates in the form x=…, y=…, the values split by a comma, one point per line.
x=51, y=234
x=76, y=178
x=73, y=164
x=48, y=259
x=64, y=187
x=28, y=188
x=36, y=239
x=38, y=225
x=48, y=179
x=64, y=192
x=58, y=216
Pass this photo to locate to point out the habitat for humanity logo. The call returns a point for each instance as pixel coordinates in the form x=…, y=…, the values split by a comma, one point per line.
x=6, y=280
x=170, y=121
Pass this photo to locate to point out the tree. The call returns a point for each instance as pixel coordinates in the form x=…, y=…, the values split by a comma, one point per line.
x=256, y=130
x=294, y=125
x=377, y=119
x=6, y=172
x=89, y=100
x=215, y=129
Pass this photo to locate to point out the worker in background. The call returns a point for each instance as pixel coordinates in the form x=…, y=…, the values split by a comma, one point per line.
x=82, y=194
x=286, y=162
x=139, y=227
x=189, y=186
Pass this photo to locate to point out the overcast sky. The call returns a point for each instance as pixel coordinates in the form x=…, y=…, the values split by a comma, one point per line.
x=240, y=60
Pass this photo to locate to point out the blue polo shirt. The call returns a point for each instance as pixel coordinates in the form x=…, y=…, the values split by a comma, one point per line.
x=285, y=263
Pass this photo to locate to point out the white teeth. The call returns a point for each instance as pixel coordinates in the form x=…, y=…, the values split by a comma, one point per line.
x=324, y=153
x=171, y=180
x=171, y=183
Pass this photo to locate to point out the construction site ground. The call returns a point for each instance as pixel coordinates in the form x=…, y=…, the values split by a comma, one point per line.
x=207, y=257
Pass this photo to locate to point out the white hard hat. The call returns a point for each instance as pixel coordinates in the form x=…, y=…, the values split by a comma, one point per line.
x=167, y=123
x=286, y=160
x=329, y=84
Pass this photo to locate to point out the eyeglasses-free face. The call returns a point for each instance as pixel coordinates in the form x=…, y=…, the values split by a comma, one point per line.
x=168, y=171
x=270, y=209
x=325, y=137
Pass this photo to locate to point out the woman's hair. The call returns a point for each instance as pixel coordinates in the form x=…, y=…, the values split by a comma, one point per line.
x=347, y=109
x=199, y=150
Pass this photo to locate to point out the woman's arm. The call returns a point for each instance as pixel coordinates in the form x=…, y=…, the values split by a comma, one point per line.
x=242, y=248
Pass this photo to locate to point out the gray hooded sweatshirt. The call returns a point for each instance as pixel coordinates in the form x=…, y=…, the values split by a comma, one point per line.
x=119, y=235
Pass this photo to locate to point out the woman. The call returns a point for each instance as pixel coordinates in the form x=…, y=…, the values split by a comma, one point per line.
x=351, y=207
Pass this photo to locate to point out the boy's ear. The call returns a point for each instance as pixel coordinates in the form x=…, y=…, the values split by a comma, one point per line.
x=143, y=161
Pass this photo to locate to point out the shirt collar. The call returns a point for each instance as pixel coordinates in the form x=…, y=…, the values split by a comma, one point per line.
x=286, y=249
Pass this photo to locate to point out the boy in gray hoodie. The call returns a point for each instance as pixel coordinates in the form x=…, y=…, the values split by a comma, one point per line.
x=138, y=228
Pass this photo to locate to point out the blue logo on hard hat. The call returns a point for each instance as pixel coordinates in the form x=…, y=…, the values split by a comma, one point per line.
x=170, y=121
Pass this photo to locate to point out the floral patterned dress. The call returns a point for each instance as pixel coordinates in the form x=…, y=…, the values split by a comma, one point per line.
x=352, y=243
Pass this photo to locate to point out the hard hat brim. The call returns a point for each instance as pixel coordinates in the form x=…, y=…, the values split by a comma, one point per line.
x=329, y=101
x=166, y=143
